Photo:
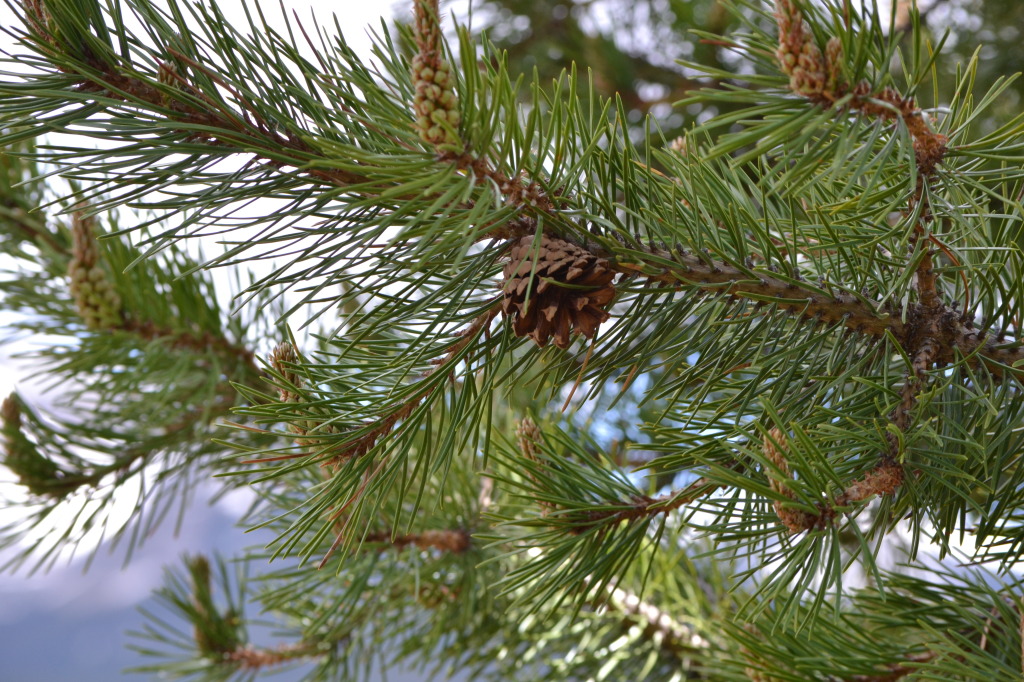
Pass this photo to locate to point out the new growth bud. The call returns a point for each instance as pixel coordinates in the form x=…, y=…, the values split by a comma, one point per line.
x=435, y=102
x=94, y=294
x=834, y=63
x=284, y=359
x=775, y=443
x=683, y=146
x=215, y=633
x=811, y=73
x=41, y=21
x=34, y=471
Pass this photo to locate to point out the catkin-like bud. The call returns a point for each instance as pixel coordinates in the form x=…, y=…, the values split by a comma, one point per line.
x=683, y=146
x=34, y=471
x=167, y=74
x=798, y=54
x=834, y=64
x=94, y=294
x=40, y=20
x=283, y=359
x=435, y=102
x=529, y=437
x=678, y=145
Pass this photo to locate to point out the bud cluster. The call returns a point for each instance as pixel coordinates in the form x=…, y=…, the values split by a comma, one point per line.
x=167, y=74
x=40, y=20
x=833, y=64
x=529, y=436
x=96, y=298
x=435, y=103
x=810, y=73
x=820, y=78
x=34, y=471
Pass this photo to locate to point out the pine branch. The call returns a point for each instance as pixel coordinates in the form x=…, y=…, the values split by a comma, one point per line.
x=240, y=127
x=674, y=637
x=455, y=541
x=613, y=512
x=792, y=295
x=99, y=303
x=770, y=334
x=40, y=474
x=218, y=635
x=897, y=671
x=201, y=117
x=437, y=118
x=819, y=78
x=357, y=442
x=948, y=334
x=883, y=479
x=759, y=670
x=197, y=342
x=916, y=379
x=33, y=229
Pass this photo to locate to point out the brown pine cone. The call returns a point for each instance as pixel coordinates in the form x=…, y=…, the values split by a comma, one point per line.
x=564, y=294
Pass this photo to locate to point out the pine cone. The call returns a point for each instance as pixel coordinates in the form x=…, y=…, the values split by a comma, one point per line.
x=567, y=290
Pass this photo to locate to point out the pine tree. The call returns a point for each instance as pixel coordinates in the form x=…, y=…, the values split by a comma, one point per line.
x=559, y=403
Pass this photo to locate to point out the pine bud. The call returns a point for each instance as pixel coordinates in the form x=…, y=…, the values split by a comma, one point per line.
x=683, y=146
x=529, y=436
x=283, y=359
x=94, y=294
x=41, y=21
x=775, y=444
x=799, y=56
x=834, y=64
x=435, y=102
x=34, y=471
x=215, y=633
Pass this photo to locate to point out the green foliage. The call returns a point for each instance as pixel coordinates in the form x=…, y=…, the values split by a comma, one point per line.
x=810, y=353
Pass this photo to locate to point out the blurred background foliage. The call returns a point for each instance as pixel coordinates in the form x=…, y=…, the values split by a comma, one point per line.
x=634, y=48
